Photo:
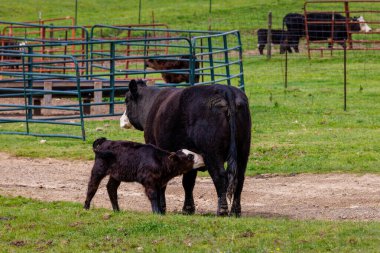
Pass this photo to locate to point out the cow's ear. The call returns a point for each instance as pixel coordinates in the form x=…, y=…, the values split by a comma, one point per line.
x=133, y=88
x=173, y=157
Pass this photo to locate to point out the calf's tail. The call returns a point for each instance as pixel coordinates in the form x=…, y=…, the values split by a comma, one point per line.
x=232, y=151
x=103, y=154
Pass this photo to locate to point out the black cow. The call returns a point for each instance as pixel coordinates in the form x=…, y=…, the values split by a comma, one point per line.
x=279, y=37
x=135, y=162
x=213, y=121
x=295, y=24
x=322, y=26
x=173, y=64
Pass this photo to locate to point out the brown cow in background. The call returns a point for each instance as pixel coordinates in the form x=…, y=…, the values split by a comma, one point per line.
x=170, y=64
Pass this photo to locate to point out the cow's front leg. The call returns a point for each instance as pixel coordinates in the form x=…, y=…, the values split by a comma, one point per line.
x=188, y=182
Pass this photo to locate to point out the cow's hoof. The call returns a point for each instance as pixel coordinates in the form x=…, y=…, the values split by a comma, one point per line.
x=222, y=211
x=188, y=210
x=235, y=211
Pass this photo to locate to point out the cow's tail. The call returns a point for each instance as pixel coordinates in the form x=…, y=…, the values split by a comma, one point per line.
x=101, y=153
x=232, y=151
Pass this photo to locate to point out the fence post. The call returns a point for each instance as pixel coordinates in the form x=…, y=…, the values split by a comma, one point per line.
x=345, y=73
x=286, y=68
x=269, y=36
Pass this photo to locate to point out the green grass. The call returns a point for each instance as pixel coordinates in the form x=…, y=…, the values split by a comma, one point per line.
x=32, y=226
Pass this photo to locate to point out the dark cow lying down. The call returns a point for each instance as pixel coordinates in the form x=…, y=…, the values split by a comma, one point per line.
x=279, y=37
x=211, y=120
x=169, y=64
x=134, y=162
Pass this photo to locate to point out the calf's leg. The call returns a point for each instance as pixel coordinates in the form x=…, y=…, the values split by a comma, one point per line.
x=153, y=195
x=93, y=185
x=162, y=199
x=112, y=186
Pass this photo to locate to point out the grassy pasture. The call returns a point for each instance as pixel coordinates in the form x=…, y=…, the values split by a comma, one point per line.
x=27, y=226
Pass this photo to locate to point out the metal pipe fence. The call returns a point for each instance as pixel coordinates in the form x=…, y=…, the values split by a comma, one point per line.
x=92, y=71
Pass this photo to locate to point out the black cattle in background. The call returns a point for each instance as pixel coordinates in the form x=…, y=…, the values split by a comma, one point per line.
x=279, y=37
x=295, y=24
x=329, y=26
x=211, y=120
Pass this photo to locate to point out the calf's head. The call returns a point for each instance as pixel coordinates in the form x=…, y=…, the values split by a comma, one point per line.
x=181, y=162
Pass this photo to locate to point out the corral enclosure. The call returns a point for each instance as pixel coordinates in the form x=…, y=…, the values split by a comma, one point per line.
x=299, y=128
x=91, y=66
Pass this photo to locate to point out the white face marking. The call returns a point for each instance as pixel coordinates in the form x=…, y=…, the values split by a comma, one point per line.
x=198, y=159
x=124, y=121
x=364, y=27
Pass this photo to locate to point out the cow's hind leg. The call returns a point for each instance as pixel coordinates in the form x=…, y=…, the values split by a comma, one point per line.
x=219, y=177
x=93, y=185
x=188, y=182
x=236, y=206
x=112, y=186
x=243, y=147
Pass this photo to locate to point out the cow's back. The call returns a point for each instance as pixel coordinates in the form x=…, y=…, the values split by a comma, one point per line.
x=196, y=118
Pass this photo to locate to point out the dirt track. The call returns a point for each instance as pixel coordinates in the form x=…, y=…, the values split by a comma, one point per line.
x=305, y=196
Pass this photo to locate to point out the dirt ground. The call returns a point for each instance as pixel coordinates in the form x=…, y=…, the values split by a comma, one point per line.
x=304, y=196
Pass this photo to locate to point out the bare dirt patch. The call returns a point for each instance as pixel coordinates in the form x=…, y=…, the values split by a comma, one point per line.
x=304, y=196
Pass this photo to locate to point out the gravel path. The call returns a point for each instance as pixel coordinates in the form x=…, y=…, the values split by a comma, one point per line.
x=304, y=196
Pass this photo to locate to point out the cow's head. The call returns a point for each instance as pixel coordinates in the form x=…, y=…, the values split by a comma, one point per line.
x=364, y=27
x=135, y=115
x=360, y=25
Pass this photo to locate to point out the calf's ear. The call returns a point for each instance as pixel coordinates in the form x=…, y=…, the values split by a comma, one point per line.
x=173, y=157
x=133, y=88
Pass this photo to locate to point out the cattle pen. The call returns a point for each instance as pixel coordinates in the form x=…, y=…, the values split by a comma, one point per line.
x=66, y=74
x=342, y=32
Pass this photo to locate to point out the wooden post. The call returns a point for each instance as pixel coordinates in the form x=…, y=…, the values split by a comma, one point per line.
x=269, y=36
x=98, y=97
x=37, y=111
x=286, y=68
x=345, y=75
x=348, y=30
x=48, y=86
